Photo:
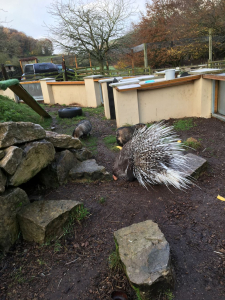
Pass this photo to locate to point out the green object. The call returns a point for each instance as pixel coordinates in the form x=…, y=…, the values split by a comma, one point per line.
x=7, y=83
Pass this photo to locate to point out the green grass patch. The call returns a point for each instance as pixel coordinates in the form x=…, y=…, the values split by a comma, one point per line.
x=91, y=143
x=12, y=111
x=94, y=111
x=183, y=124
x=110, y=142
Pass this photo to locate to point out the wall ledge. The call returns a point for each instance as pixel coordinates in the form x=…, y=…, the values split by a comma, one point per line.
x=66, y=83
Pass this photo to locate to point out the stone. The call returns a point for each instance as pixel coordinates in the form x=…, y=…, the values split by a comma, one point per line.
x=2, y=154
x=11, y=160
x=196, y=165
x=82, y=154
x=89, y=170
x=57, y=172
x=2, y=181
x=36, y=156
x=11, y=202
x=145, y=254
x=42, y=221
x=13, y=133
x=63, y=140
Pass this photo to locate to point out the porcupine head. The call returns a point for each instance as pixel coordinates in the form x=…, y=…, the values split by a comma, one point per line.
x=123, y=166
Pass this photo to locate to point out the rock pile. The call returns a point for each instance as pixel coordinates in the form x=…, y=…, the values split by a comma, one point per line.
x=26, y=150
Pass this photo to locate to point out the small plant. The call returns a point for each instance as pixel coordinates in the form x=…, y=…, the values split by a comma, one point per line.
x=81, y=213
x=102, y=200
x=192, y=143
x=41, y=262
x=18, y=276
x=57, y=246
x=183, y=124
x=115, y=262
x=169, y=295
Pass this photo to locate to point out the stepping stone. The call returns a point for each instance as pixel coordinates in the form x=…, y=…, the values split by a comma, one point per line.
x=89, y=170
x=145, y=254
x=196, y=165
x=42, y=221
x=64, y=141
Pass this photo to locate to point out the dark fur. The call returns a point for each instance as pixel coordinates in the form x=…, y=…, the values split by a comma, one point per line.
x=124, y=134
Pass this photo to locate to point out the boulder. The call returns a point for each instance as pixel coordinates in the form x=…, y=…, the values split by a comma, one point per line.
x=2, y=181
x=89, y=170
x=82, y=154
x=36, y=156
x=145, y=254
x=11, y=160
x=195, y=166
x=2, y=154
x=57, y=172
x=42, y=221
x=63, y=140
x=11, y=202
x=13, y=133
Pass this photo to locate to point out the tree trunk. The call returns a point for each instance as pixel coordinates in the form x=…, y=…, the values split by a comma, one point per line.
x=101, y=64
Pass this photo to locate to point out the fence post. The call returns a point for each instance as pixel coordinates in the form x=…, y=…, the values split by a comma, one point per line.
x=145, y=57
x=210, y=46
x=132, y=60
x=64, y=69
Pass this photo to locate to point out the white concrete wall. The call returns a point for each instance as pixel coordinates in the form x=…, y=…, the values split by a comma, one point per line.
x=191, y=99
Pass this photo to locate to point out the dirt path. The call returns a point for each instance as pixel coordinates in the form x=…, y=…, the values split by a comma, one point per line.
x=76, y=267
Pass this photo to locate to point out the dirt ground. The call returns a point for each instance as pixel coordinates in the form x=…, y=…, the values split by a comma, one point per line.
x=76, y=266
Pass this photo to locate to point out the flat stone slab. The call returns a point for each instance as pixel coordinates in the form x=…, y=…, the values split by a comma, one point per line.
x=13, y=133
x=11, y=202
x=63, y=140
x=82, y=154
x=145, y=254
x=195, y=165
x=43, y=221
x=89, y=169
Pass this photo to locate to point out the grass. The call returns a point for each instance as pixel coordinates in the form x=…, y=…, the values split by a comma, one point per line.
x=183, y=124
x=192, y=143
x=94, y=111
x=91, y=143
x=110, y=142
x=115, y=262
x=12, y=111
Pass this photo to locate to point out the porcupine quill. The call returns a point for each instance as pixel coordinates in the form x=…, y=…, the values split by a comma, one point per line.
x=153, y=156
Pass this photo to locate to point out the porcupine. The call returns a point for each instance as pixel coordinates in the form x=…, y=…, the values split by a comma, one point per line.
x=83, y=128
x=153, y=156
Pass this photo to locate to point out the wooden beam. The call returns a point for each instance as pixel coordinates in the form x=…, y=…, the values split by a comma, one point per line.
x=29, y=100
x=216, y=96
x=214, y=77
x=163, y=84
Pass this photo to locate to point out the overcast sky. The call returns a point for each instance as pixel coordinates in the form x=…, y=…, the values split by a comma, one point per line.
x=29, y=16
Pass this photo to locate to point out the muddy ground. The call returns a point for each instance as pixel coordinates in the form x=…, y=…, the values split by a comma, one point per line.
x=76, y=266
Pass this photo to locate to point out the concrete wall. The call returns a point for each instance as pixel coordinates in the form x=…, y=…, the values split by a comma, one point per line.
x=69, y=94
x=93, y=95
x=191, y=99
x=7, y=93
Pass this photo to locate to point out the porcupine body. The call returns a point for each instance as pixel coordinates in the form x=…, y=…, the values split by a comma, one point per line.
x=153, y=156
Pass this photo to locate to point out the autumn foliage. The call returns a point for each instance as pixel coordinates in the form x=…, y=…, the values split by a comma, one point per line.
x=177, y=32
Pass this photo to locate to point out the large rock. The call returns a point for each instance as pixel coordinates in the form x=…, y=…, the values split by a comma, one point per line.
x=63, y=140
x=13, y=133
x=11, y=160
x=195, y=165
x=2, y=181
x=46, y=220
x=2, y=154
x=36, y=156
x=145, y=254
x=89, y=170
x=11, y=202
x=57, y=172
x=82, y=154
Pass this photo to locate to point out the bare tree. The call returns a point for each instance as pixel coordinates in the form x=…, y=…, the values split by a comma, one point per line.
x=93, y=28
